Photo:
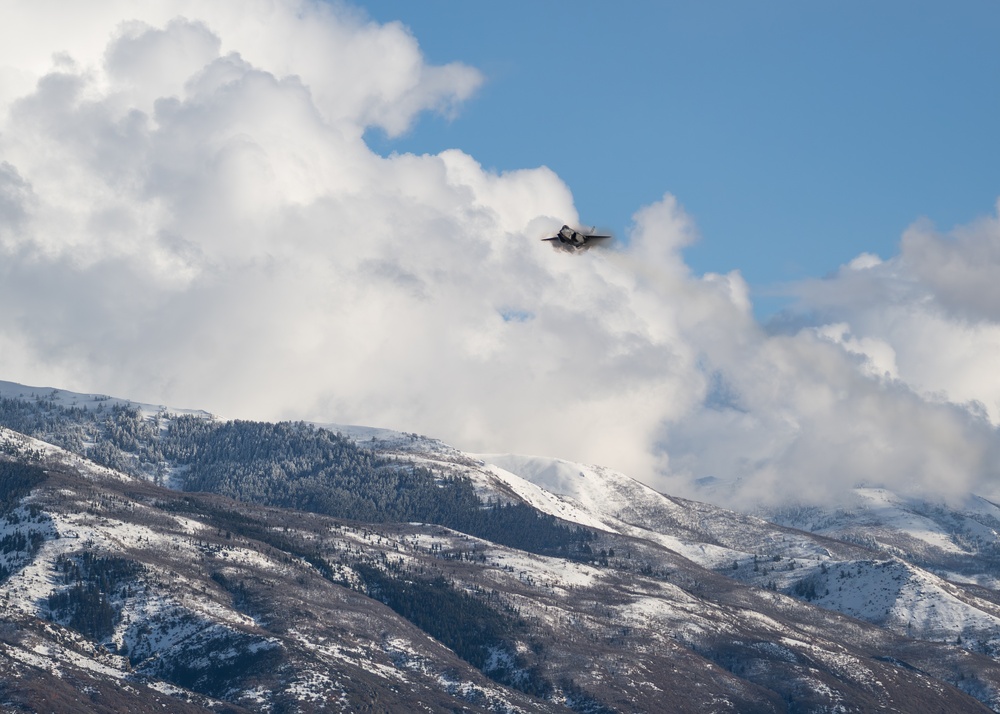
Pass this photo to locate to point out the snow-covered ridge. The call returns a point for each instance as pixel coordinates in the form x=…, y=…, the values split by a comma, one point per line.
x=64, y=398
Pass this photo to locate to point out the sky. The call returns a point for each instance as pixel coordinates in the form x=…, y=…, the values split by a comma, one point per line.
x=290, y=209
x=797, y=134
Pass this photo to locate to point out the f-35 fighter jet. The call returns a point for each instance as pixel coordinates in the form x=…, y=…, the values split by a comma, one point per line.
x=573, y=240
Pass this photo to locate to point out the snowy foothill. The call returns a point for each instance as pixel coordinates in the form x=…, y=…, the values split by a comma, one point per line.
x=47, y=454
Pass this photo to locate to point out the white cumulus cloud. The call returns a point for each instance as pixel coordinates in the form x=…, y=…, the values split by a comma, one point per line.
x=189, y=215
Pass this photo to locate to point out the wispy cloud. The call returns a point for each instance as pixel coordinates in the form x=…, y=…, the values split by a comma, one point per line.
x=189, y=215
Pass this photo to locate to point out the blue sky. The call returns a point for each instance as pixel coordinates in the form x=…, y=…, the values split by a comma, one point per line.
x=797, y=134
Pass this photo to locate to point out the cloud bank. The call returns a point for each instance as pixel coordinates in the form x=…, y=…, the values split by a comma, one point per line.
x=189, y=215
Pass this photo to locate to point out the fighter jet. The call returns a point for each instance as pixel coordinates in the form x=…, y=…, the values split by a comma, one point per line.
x=573, y=240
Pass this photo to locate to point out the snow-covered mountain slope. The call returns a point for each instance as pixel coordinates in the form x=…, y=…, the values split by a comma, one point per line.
x=200, y=603
x=193, y=608
x=643, y=602
x=960, y=540
x=867, y=562
x=709, y=535
x=854, y=564
x=25, y=448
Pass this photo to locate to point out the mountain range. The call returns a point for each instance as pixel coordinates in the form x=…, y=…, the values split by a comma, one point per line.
x=155, y=559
